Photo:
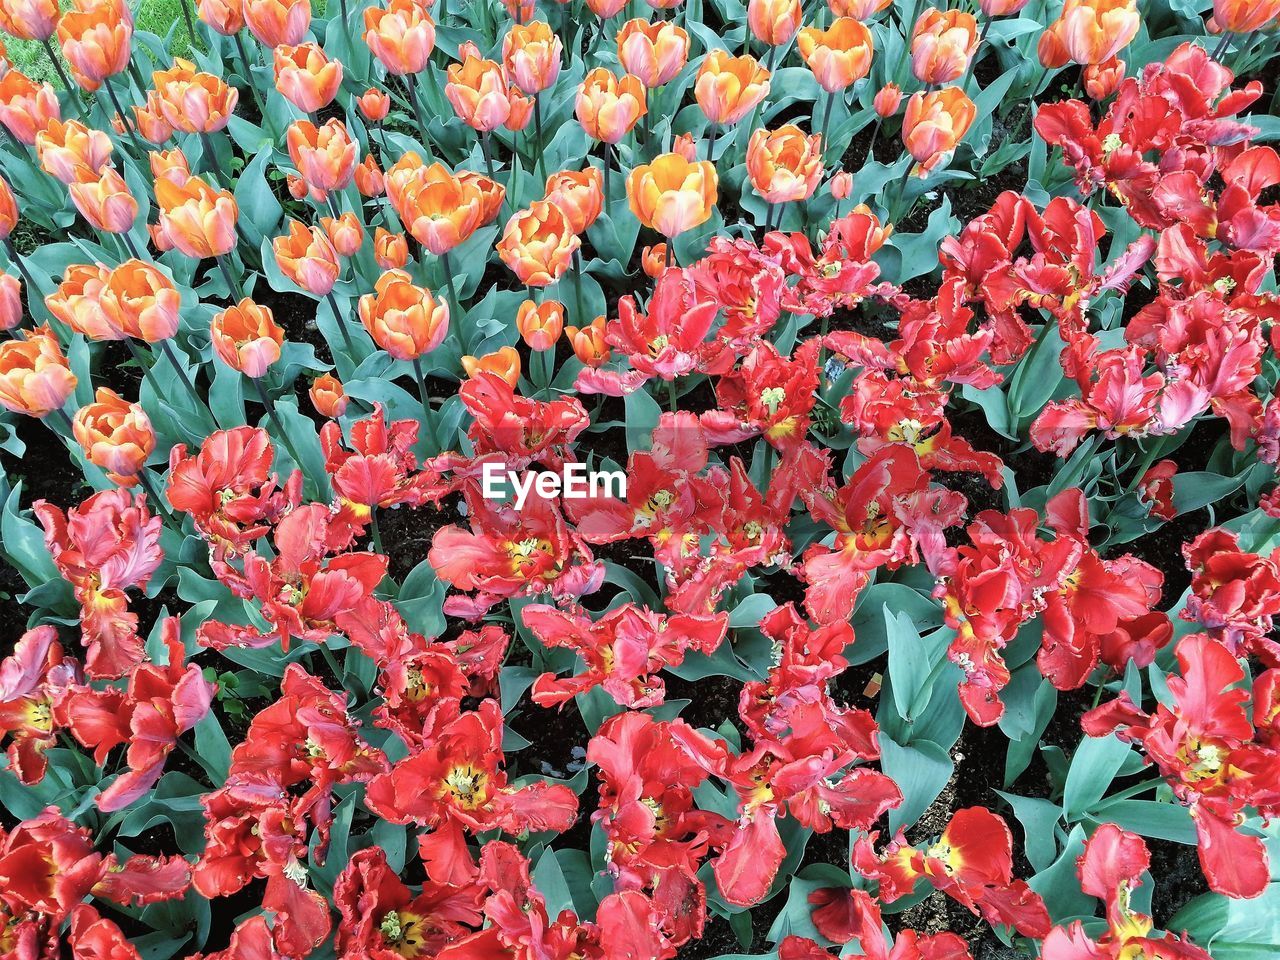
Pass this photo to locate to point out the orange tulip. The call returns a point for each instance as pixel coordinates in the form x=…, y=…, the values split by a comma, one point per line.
x=858, y=9
x=606, y=9
x=223, y=16
x=1245, y=16
x=276, y=22
x=1049, y=48
x=328, y=396
x=96, y=40
x=531, y=54
x=104, y=200
x=1094, y=31
x=887, y=100
x=29, y=19
x=1101, y=80
x=374, y=104
x=344, y=232
x=589, y=344
x=685, y=146
x=115, y=435
x=369, y=179
x=192, y=101
x=838, y=56
x=247, y=338
x=672, y=195
x=439, y=209
x=306, y=77
x=608, y=108
x=390, y=250
x=404, y=319
x=942, y=45
x=10, y=301
x=579, y=195
x=35, y=377
x=141, y=301
x=77, y=302
x=654, y=52
x=504, y=362
x=401, y=35
x=654, y=260
x=67, y=149
x=477, y=89
x=195, y=218
x=538, y=244
x=784, y=165
x=26, y=108
x=170, y=164
x=774, y=22
x=521, y=109
x=8, y=209
x=325, y=156
x=728, y=88
x=842, y=185
x=934, y=123
x=307, y=258
x=148, y=119
x=540, y=324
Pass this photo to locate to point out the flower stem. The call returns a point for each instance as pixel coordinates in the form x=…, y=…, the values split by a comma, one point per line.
x=154, y=496
x=275, y=421
x=342, y=325
x=423, y=395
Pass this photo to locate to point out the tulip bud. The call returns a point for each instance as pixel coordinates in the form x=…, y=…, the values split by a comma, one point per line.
x=887, y=100
x=8, y=209
x=505, y=363
x=838, y=56
x=306, y=77
x=298, y=188
x=608, y=108
x=404, y=319
x=1101, y=80
x=10, y=301
x=540, y=324
x=685, y=146
x=390, y=250
x=328, y=396
x=784, y=165
x=149, y=120
x=369, y=180
x=35, y=378
x=344, y=232
x=247, y=338
x=654, y=260
x=672, y=195
x=1050, y=50
x=521, y=109
x=654, y=52
x=115, y=435
x=374, y=104
x=589, y=344
x=842, y=185
x=727, y=88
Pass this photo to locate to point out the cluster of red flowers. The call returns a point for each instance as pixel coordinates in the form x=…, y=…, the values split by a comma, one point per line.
x=857, y=475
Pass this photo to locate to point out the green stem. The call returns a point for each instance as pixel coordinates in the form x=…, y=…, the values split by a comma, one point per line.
x=342, y=325
x=423, y=395
x=53, y=58
x=374, y=531
x=226, y=275
x=673, y=396
x=154, y=496
x=275, y=421
x=172, y=357
x=455, y=304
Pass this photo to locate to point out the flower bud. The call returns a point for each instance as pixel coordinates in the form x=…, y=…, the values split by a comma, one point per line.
x=540, y=324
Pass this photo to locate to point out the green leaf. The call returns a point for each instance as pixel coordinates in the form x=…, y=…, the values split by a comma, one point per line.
x=921, y=770
x=1093, y=766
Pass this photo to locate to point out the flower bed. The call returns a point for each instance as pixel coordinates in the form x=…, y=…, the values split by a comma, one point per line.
x=614, y=480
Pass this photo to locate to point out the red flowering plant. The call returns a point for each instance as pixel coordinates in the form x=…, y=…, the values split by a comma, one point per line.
x=588, y=480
